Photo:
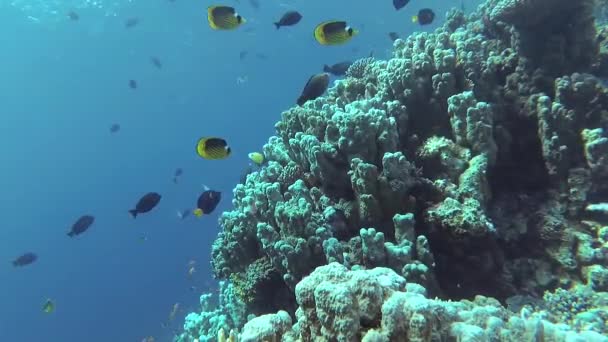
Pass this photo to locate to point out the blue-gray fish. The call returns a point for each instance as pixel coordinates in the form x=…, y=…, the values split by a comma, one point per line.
x=25, y=259
x=81, y=225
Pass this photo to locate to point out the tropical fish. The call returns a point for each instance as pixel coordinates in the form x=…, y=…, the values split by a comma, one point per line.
x=337, y=69
x=73, y=16
x=256, y=157
x=334, y=33
x=393, y=36
x=114, y=128
x=156, y=62
x=131, y=22
x=146, y=203
x=173, y=312
x=425, y=16
x=224, y=18
x=48, y=306
x=213, y=148
x=315, y=87
x=178, y=172
x=290, y=18
x=25, y=259
x=399, y=4
x=81, y=225
x=183, y=213
x=207, y=202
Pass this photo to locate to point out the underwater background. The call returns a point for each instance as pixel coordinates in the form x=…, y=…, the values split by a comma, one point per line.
x=105, y=101
x=65, y=82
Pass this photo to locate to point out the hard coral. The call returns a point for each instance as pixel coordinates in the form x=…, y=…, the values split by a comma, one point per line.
x=465, y=162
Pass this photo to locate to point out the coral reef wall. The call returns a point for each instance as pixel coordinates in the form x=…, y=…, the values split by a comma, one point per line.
x=472, y=163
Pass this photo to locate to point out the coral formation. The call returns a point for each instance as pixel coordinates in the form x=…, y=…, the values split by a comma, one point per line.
x=472, y=164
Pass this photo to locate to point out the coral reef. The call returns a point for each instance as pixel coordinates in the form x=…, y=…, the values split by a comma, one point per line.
x=472, y=164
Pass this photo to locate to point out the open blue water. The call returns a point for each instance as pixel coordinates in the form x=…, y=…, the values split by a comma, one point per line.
x=63, y=83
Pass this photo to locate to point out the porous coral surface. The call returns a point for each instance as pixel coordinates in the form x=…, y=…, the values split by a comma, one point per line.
x=471, y=166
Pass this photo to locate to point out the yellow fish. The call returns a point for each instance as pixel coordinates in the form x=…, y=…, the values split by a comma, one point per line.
x=48, y=306
x=224, y=18
x=256, y=157
x=213, y=148
x=334, y=33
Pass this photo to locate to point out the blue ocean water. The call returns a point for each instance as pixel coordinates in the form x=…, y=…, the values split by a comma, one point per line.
x=63, y=83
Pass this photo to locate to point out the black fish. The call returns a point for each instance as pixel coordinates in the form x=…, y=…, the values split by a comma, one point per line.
x=73, y=15
x=131, y=22
x=80, y=226
x=114, y=128
x=133, y=84
x=207, y=202
x=425, y=16
x=399, y=4
x=337, y=69
x=255, y=4
x=156, y=62
x=145, y=204
x=25, y=259
x=289, y=19
x=315, y=87
x=243, y=54
x=393, y=36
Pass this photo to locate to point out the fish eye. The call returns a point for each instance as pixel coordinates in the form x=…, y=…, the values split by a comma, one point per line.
x=349, y=30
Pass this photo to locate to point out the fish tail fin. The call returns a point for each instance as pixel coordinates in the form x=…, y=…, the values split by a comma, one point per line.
x=70, y=234
x=277, y=25
x=326, y=68
x=133, y=212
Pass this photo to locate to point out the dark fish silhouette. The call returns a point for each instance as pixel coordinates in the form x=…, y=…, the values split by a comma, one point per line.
x=81, y=225
x=338, y=69
x=243, y=54
x=207, y=202
x=315, y=87
x=25, y=259
x=131, y=22
x=425, y=16
x=145, y=204
x=114, y=128
x=156, y=62
x=399, y=4
x=73, y=15
x=133, y=84
x=393, y=36
x=289, y=19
